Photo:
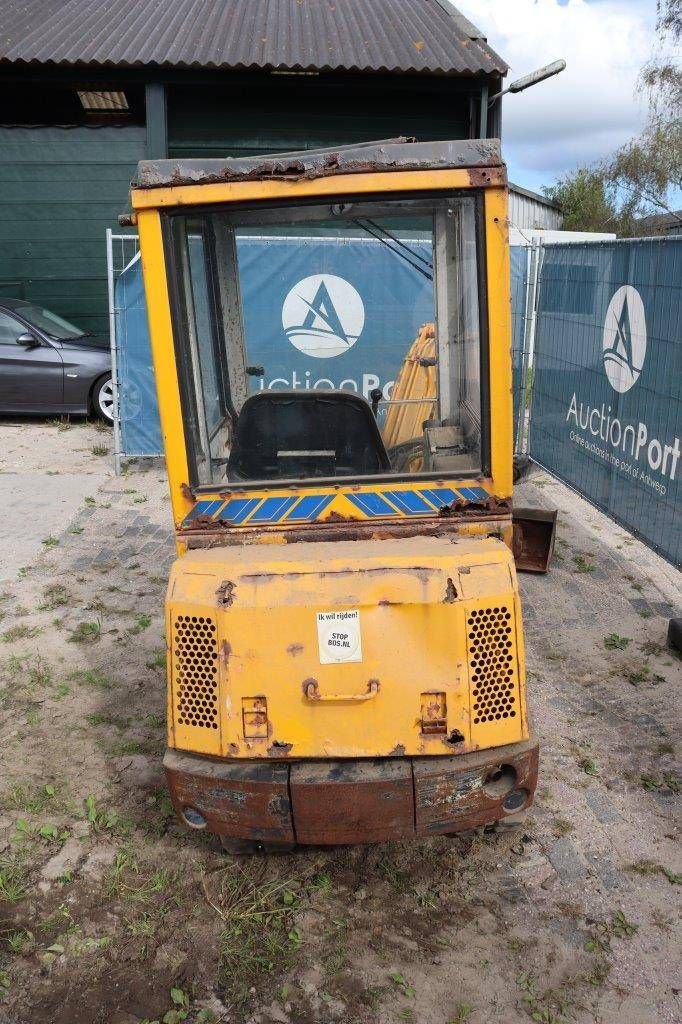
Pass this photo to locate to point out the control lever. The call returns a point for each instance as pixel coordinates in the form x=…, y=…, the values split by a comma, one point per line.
x=376, y=395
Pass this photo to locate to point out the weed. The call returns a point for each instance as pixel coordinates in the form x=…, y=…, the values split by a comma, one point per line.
x=621, y=927
x=158, y=660
x=582, y=565
x=539, y=1008
x=20, y=633
x=645, y=613
x=155, y=721
x=19, y=942
x=400, y=982
x=672, y=877
x=31, y=801
x=92, y=677
x=76, y=530
x=614, y=642
x=462, y=1013
x=142, y=622
x=426, y=897
x=127, y=747
x=86, y=632
x=666, y=783
x=99, y=450
x=258, y=937
x=98, y=718
x=55, y=596
x=645, y=867
x=562, y=826
x=637, y=676
x=50, y=542
x=140, y=500
x=127, y=881
x=12, y=880
x=100, y=819
x=143, y=926
x=650, y=648
x=588, y=766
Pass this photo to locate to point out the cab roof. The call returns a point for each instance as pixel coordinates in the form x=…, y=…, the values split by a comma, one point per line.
x=401, y=154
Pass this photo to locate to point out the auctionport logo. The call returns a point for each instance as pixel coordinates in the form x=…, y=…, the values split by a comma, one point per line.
x=323, y=316
x=624, y=340
x=626, y=445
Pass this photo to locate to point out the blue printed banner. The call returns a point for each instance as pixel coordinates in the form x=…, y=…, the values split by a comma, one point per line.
x=607, y=392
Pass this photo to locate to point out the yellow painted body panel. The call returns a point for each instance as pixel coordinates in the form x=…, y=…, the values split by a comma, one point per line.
x=301, y=188
x=435, y=617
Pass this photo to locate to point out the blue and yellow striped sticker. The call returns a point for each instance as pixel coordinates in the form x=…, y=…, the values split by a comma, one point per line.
x=267, y=510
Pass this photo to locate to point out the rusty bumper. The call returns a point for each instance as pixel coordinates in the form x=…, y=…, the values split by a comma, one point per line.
x=333, y=802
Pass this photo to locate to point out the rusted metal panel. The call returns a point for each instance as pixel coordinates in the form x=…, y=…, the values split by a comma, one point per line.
x=462, y=521
x=249, y=801
x=339, y=802
x=452, y=796
x=481, y=156
x=534, y=533
x=354, y=801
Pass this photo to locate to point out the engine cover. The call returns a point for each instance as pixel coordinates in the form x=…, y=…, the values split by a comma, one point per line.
x=347, y=649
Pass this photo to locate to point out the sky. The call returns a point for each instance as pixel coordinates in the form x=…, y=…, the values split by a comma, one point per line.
x=590, y=108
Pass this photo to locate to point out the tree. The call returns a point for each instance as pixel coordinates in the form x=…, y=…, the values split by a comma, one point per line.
x=583, y=198
x=660, y=77
x=635, y=180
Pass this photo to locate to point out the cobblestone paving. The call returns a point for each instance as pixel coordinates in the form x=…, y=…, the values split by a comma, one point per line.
x=573, y=920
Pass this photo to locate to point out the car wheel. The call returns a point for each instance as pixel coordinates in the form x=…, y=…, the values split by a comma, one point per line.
x=103, y=399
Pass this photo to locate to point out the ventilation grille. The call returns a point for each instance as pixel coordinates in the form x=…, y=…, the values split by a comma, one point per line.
x=195, y=667
x=493, y=664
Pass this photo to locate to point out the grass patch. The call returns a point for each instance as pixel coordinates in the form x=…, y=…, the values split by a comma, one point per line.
x=128, y=881
x=259, y=938
x=92, y=677
x=15, y=633
x=12, y=880
x=99, y=450
x=54, y=596
x=50, y=542
x=86, y=633
x=614, y=642
x=582, y=565
x=666, y=783
x=142, y=622
x=31, y=800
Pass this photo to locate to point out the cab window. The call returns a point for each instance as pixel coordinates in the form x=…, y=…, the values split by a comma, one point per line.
x=330, y=341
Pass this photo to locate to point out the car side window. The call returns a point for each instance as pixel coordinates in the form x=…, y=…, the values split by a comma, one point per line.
x=10, y=329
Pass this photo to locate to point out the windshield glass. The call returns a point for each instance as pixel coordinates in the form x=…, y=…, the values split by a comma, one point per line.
x=54, y=326
x=331, y=341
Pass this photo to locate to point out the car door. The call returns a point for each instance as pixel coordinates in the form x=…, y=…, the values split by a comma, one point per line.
x=31, y=378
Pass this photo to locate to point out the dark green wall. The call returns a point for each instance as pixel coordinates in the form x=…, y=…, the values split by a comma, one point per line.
x=275, y=113
x=60, y=188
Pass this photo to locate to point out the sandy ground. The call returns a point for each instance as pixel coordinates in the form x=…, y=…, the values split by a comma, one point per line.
x=111, y=912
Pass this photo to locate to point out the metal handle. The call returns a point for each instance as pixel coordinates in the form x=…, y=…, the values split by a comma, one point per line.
x=311, y=691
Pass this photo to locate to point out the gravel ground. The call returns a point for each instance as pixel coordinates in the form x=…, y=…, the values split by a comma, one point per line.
x=111, y=912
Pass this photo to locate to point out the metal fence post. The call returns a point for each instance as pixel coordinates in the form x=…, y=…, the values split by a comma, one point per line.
x=114, y=352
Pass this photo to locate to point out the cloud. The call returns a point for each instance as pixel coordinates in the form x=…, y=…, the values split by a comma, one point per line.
x=591, y=108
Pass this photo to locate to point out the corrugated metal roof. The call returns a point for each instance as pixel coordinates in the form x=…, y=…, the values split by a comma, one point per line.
x=398, y=36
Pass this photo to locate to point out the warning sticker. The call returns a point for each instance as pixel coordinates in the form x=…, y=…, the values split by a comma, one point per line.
x=338, y=634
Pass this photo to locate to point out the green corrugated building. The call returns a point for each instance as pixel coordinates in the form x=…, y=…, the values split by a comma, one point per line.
x=92, y=86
